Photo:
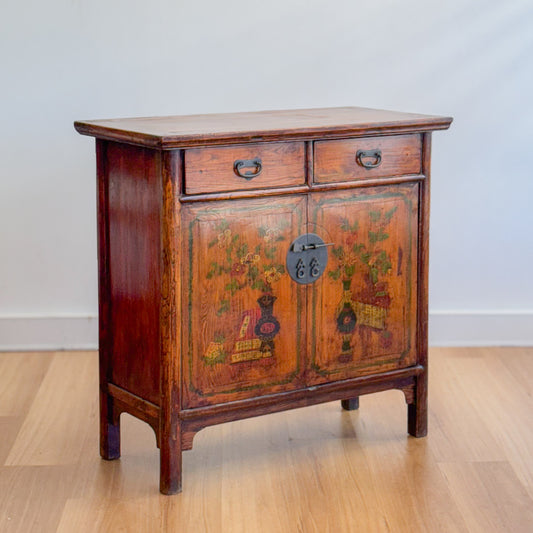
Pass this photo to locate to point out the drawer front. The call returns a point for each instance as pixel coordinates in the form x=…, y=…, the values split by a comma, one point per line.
x=370, y=157
x=255, y=166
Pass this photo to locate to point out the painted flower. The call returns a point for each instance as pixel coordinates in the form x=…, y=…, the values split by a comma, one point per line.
x=224, y=238
x=250, y=259
x=238, y=269
x=271, y=234
x=351, y=239
x=347, y=260
x=272, y=275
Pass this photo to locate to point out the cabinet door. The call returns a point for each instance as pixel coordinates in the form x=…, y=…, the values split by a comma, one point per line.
x=363, y=309
x=245, y=315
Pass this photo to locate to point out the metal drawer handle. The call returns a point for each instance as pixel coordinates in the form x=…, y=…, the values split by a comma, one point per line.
x=363, y=154
x=241, y=164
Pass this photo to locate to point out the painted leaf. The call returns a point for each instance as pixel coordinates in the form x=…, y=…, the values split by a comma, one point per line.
x=374, y=274
x=232, y=286
x=224, y=307
x=337, y=251
x=389, y=213
x=253, y=271
x=349, y=270
x=365, y=257
x=334, y=274
x=270, y=253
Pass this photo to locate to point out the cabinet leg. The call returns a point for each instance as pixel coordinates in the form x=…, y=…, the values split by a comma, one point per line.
x=351, y=404
x=417, y=411
x=109, y=429
x=170, y=465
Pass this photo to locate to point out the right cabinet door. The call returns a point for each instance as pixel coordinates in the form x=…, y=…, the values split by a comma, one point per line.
x=363, y=309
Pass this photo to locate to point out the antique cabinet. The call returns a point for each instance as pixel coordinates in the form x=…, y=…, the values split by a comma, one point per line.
x=256, y=262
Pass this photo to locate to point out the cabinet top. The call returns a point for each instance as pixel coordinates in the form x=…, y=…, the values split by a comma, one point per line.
x=227, y=128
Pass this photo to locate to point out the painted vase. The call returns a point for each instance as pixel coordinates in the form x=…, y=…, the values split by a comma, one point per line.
x=267, y=327
x=346, y=321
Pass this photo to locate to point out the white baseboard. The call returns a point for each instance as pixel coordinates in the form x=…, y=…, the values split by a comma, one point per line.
x=481, y=328
x=41, y=332
x=446, y=328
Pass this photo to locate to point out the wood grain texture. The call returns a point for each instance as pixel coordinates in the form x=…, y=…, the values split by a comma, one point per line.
x=417, y=411
x=363, y=309
x=109, y=419
x=22, y=375
x=170, y=323
x=336, y=161
x=234, y=258
x=200, y=322
x=211, y=170
x=134, y=204
x=319, y=469
x=36, y=444
x=229, y=128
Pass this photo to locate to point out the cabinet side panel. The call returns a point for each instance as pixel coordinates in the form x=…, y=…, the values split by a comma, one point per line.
x=134, y=262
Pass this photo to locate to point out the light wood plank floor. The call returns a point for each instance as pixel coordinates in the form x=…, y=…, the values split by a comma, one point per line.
x=318, y=469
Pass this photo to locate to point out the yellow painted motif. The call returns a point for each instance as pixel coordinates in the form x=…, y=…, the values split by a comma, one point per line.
x=251, y=355
x=214, y=351
x=244, y=327
x=370, y=315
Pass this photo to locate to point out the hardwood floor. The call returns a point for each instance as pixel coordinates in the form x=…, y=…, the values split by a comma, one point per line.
x=318, y=469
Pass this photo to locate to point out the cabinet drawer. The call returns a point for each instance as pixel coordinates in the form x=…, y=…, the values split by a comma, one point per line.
x=369, y=157
x=254, y=166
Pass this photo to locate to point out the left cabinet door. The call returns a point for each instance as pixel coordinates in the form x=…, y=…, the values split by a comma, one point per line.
x=244, y=317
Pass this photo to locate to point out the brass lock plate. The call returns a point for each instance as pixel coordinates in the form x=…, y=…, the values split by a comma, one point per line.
x=307, y=258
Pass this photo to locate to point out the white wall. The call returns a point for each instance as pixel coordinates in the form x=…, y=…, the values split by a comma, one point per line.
x=63, y=60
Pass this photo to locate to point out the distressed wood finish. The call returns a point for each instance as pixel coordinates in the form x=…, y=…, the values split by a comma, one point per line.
x=336, y=161
x=133, y=211
x=209, y=170
x=200, y=322
x=109, y=422
x=230, y=128
x=170, y=436
x=234, y=257
x=363, y=309
x=417, y=415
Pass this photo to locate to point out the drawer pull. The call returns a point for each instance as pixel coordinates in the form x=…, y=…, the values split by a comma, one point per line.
x=365, y=154
x=241, y=164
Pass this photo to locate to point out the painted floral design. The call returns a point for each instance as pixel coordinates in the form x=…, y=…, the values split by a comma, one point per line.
x=255, y=268
x=364, y=255
x=244, y=267
x=368, y=256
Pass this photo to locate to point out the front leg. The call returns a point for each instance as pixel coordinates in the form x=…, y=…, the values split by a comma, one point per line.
x=109, y=428
x=351, y=404
x=417, y=409
x=170, y=460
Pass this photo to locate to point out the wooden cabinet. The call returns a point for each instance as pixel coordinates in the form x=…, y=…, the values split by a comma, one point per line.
x=256, y=262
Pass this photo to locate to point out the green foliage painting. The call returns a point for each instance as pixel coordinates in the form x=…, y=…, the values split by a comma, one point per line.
x=363, y=253
x=253, y=267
